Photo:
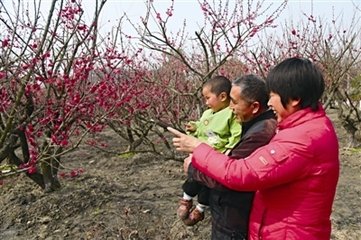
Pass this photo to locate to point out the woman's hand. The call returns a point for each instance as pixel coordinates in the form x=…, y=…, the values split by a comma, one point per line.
x=183, y=142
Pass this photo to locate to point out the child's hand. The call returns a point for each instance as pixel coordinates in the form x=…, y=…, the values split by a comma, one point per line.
x=191, y=127
x=227, y=152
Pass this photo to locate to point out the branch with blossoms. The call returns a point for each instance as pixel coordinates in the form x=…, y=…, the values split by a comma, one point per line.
x=227, y=27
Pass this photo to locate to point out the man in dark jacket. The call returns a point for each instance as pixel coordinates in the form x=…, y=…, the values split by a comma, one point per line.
x=230, y=209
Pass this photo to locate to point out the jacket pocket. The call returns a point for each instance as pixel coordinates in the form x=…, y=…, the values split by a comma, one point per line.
x=277, y=152
x=267, y=159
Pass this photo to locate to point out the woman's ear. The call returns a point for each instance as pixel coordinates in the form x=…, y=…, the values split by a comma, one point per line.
x=294, y=103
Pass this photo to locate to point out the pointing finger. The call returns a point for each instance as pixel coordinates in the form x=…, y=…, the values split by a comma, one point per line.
x=175, y=132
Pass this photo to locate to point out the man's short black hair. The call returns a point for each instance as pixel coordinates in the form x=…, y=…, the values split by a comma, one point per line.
x=253, y=89
x=297, y=79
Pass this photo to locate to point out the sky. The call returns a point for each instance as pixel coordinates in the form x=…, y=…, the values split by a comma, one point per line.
x=189, y=10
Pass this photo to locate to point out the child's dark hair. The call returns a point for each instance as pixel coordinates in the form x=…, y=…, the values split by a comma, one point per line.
x=219, y=84
x=297, y=79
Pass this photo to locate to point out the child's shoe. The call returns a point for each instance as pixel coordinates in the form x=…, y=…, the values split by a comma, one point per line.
x=184, y=208
x=194, y=217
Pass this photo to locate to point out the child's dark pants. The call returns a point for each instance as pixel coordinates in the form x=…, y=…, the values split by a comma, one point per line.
x=194, y=188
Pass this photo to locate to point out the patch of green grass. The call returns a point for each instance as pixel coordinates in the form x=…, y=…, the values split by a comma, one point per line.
x=126, y=155
x=353, y=150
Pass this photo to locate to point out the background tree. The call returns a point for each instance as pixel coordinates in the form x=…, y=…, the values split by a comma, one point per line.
x=336, y=49
x=179, y=63
x=56, y=85
x=60, y=79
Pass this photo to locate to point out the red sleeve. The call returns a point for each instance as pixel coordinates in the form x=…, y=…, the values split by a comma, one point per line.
x=268, y=166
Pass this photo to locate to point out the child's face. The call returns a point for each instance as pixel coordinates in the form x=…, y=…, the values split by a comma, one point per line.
x=213, y=101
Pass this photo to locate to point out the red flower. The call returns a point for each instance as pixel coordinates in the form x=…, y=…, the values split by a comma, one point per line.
x=5, y=43
x=62, y=174
x=32, y=169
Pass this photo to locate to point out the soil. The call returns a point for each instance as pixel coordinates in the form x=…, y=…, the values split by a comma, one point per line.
x=135, y=197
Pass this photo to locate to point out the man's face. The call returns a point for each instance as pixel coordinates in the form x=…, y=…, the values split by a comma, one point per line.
x=243, y=109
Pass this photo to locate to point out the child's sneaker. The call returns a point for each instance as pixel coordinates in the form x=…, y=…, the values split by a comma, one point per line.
x=184, y=208
x=194, y=217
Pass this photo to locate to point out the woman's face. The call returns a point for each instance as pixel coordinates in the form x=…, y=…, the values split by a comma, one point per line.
x=243, y=110
x=279, y=110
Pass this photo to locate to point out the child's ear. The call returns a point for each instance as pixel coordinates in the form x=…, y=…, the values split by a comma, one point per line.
x=223, y=96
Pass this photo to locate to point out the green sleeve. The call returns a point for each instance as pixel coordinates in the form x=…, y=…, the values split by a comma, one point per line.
x=235, y=130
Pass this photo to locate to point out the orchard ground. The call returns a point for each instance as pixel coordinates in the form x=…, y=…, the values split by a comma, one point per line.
x=135, y=197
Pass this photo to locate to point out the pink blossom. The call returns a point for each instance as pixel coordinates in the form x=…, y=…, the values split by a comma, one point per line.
x=2, y=75
x=32, y=169
x=170, y=12
x=159, y=17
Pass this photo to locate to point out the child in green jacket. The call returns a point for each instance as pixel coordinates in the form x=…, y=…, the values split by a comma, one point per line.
x=218, y=128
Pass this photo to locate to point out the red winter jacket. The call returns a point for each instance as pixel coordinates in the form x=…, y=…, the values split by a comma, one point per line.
x=295, y=176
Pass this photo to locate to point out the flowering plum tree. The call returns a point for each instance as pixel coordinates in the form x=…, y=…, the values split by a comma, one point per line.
x=235, y=38
x=57, y=83
x=335, y=48
x=179, y=63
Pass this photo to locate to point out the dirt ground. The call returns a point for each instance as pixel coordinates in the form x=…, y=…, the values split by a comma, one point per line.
x=135, y=197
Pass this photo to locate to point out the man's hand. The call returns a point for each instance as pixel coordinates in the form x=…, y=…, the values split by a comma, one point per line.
x=183, y=142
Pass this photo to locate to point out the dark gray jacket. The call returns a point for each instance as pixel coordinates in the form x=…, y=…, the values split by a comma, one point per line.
x=230, y=209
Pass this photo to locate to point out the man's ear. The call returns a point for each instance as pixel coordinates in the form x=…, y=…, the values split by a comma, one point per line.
x=256, y=107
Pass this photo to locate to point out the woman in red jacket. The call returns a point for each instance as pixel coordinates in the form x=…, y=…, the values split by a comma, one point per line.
x=296, y=174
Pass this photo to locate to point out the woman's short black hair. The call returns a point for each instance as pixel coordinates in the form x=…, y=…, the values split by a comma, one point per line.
x=253, y=89
x=297, y=79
